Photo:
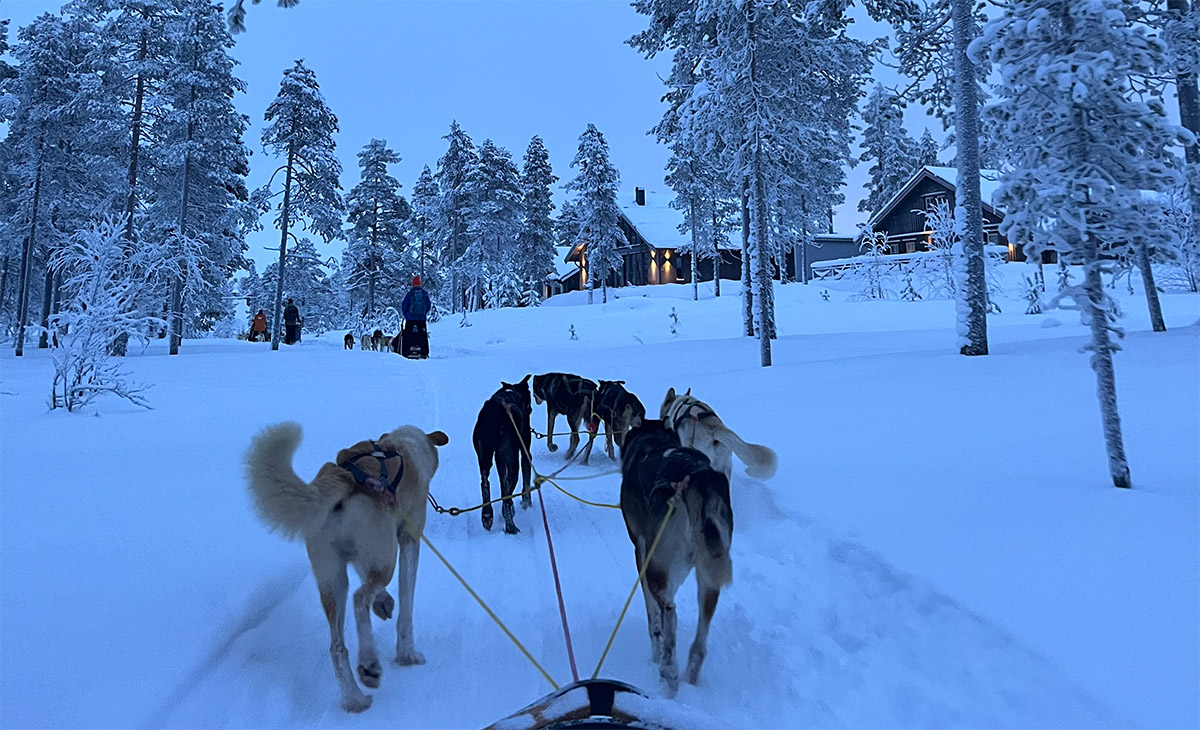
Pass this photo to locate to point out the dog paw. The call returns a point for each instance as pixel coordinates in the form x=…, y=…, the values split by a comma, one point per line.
x=669, y=686
x=487, y=517
x=383, y=605
x=409, y=658
x=526, y=503
x=370, y=673
x=692, y=674
x=511, y=529
x=359, y=703
x=552, y=447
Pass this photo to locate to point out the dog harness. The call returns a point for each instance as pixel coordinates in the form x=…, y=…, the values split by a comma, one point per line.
x=682, y=410
x=380, y=485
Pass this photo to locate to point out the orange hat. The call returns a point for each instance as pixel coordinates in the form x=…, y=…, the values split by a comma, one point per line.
x=416, y=281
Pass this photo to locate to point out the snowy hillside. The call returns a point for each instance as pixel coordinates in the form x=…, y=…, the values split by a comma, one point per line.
x=941, y=545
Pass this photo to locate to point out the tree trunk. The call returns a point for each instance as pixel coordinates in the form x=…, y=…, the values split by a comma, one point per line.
x=712, y=240
x=4, y=286
x=973, y=321
x=591, y=279
x=27, y=259
x=747, y=288
x=1188, y=92
x=695, y=250
x=47, y=302
x=1102, y=363
x=120, y=345
x=175, y=308
x=1156, y=315
x=762, y=259
x=287, y=202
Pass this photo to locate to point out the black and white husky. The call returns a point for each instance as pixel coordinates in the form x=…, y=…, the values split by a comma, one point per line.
x=698, y=427
x=654, y=468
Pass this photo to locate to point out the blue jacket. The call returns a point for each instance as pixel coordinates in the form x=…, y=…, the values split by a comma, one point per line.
x=406, y=305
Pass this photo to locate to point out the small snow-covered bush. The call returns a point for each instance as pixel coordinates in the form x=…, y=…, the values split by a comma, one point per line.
x=99, y=310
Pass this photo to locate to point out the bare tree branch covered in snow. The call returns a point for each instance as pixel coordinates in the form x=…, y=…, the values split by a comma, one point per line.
x=102, y=279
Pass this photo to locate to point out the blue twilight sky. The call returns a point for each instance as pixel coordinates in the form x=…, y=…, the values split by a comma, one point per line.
x=505, y=69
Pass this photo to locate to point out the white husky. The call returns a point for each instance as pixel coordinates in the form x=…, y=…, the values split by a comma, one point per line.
x=701, y=429
x=357, y=510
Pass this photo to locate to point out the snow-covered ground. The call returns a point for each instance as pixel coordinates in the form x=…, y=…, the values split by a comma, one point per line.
x=941, y=546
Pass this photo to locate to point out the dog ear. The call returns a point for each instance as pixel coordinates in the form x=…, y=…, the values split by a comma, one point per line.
x=689, y=391
x=619, y=382
x=437, y=438
x=506, y=385
x=671, y=394
x=525, y=379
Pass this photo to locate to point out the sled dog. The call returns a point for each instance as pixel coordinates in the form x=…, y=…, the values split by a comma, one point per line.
x=356, y=511
x=495, y=438
x=569, y=395
x=654, y=468
x=700, y=428
x=348, y=342
x=619, y=409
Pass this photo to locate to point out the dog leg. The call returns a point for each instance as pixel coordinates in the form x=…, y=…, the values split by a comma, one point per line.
x=551, y=416
x=573, y=420
x=668, y=672
x=526, y=467
x=333, y=586
x=484, y=452
x=376, y=579
x=506, y=472
x=653, y=615
x=608, y=441
x=410, y=552
x=706, y=597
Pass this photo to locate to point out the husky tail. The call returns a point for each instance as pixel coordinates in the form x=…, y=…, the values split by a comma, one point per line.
x=283, y=500
x=760, y=461
x=714, y=535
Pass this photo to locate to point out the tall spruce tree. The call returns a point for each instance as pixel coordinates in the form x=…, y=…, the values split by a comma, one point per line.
x=377, y=248
x=1066, y=94
x=199, y=200
x=535, y=244
x=453, y=212
x=489, y=264
x=300, y=128
x=595, y=187
x=887, y=145
x=422, y=225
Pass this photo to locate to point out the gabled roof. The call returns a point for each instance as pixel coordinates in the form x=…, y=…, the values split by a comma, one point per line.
x=656, y=221
x=989, y=183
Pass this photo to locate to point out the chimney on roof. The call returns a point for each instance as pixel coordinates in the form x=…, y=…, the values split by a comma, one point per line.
x=639, y=196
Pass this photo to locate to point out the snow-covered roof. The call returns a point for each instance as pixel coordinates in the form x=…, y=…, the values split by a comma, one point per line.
x=657, y=221
x=563, y=269
x=989, y=183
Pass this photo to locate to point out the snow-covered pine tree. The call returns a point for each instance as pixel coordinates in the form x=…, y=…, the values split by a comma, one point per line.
x=62, y=178
x=1065, y=96
x=310, y=284
x=377, y=248
x=595, y=188
x=199, y=202
x=453, y=211
x=787, y=77
x=928, y=151
x=300, y=128
x=887, y=145
x=422, y=221
x=536, y=240
x=932, y=47
x=489, y=265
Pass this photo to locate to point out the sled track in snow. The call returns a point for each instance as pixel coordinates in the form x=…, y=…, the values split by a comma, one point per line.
x=264, y=601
